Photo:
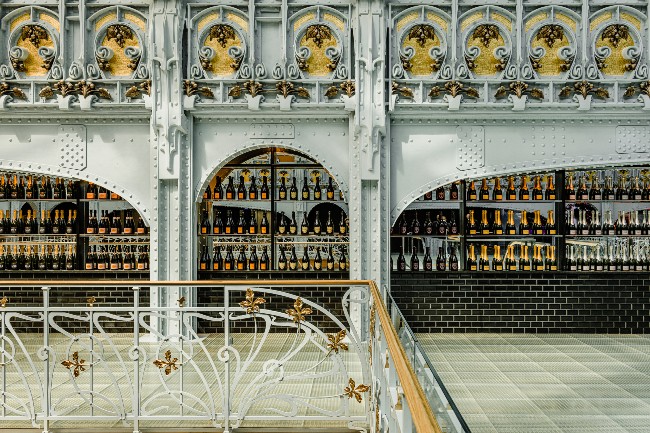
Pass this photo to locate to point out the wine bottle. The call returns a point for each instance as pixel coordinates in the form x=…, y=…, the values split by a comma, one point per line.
x=453, y=191
x=293, y=191
x=264, y=260
x=497, y=260
x=204, y=261
x=229, y=262
x=484, y=193
x=252, y=190
x=318, y=260
x=305, y=259
x=484, y=261
x=317, y=189
x=569, y=190
x=242, y=263
x=415, y=261
x=253, y=261
x=484, y=228
x=471, y=259
x=550, y=188
x=217, y=263
x=265, y=228
x=582, y=193
x=305, y=189
x=282, y=192
x=205, y=223
x=538, y=194
x=317, y=224
x=497, y=192
x=427, y=261
x=401, y=261
x=511, y=192
x=471, y=191
x=230, y=189
x=282, y=260
x=217, y=193
x=524, y=193
x=330, y=260
x=497, y=225
x=207, y=193
x=264, y=190
x=472, y=228
x=440, y=193
x=428, y=195
x=330, y=189
x=91, y=190
x=329, y=225
x=415, y=225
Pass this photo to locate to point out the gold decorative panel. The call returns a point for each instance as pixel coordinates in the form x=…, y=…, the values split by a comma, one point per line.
x=33, y=65
x=421, y=42
x=136, y=20
x=407, y=19
x=120, y=65
x=534, y=20
x=470, y=20
x=206, y=20
x=220, y=38
x=318, y=64
x=507, y=22
x=615, y=64
x=302, y=20
x=16, y=21
x=551, y=64
x=338, y=22
x=105, y=19
x=599, y=20
x=438, y=20
x=238, y=20
x=566, y=20
x=486, y=63
x=47, y=18
x=632, y=19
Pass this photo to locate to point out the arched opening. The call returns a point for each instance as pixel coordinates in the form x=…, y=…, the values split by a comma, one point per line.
x=50, y=223
x=272, y=209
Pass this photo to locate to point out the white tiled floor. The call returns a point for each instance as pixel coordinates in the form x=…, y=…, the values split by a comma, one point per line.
x=546, y=383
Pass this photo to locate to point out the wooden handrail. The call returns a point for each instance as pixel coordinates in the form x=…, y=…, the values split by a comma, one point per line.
x=421, y=412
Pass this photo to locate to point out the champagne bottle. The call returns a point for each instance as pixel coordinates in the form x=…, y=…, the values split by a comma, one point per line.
x=265, y=228
x=645, y=195
x=330, y=189
x=497, y=192
x=28, y=225
x=471, y=259
x=582, y=193
x=305, y=189
x=282, y=192
x=428, y=195
x=428, y=224
x=551, y=229
x=569, y=190
x=293, y=227
x=264, y=191
x=524, y=227
x=230, y=189
x=622, y=192
x=453, y=260
x=116, y=227
x=317, y=189
x=217, y=193
x=511, y=192
x=304, y=227
x=497, y=260
x=484, y=193
x=204, y=261
x=415, y=225
x=282, y=260
x=229, y=262
x=330, y=260
x=205, y=223
x=3, y=224
x=453, y=191
x=595, y=193
x=217, y=263
x=538, y=194
x=252, y=224
x=229, y=228
x=56, y=225
x=242, y=263
x=472, y=228
x=510, y=223
x=3, y=188
x=293, y=191
x=524, y=193
x=443, y=226
x=264, y=260
x=524, y=262
x=484, y=261
x=550, y=188
x=343, y=224
x=241, y=189
x=329, y=225
x=440, y=193
x=471, y=191
x=241, y=224
x=343, y=262
x=484, y=228
x=497, y=225
x=305, y=260
x=415, y=261
x=217, y=223
x=207, y=193
x=635, y=192
x=252, y=190
x=318, y=260
x=427, y=261
x=253, y=261
x=71, y=223
x=401, y=261
x=538, y=227
x=317, y=224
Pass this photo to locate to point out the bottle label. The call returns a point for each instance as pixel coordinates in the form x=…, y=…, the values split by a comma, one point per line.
x=317, y=230
x=89, y=195
x=304, y=230
x=486, y=231
x=317, y=195
x=128, y=231
x=498, y=231
x=263, y=230
x=330, y=266
x=551, y=196
x=127, y=266
x=114, y=231
x=472, y=231
x=101, y=266
x=100, y=230
x=294, y=195
x=89, y=266
x=229, y=196
x=428, y=267
x=203, y=266
x=215, y=266
x=472, y=268
x=227, y=266
x=453, y=195
x=204, y=230
x=140, y=230
x=498, y=196
x=526, y=267
x=330, y=230
x=400, y=267
x=140, y=266
x=305, y=195
x=240, y=266
x=228, y=230
x=252, y=266
x=498, y=267
x=240, y=196
x=282, y=266
x=264, y=196
x=428, y=230
x=293, y=230
x=252, y=230
x=240, y=230
x=553, y=267
x=283, y=195
x=453, y=266
x=573, y=267
x=342, y=266
x=102, y=196
x=114, y=266
x=330, y=195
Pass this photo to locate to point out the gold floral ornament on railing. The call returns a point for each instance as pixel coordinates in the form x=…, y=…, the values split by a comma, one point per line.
x=252, y=304
x=354, y=390
x=137, y=90
x=3, y=301
x=454, y=88
x=14, y=92
x=644, y=89
x=169, y=363
x=251, y=87
x=584, y=88
x=91, y=301
x=519, y=89
x=286, y=88
x=75, y=364
x=88, y=88
x=336, y=342
x=347, y=86
x=403, y=91
x=192, y=88
x=299, y=313
x=181, y=301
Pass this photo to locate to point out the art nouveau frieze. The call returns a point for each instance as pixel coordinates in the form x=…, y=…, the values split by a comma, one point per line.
x=518, y=55
x=94, y=55
x=271, y=56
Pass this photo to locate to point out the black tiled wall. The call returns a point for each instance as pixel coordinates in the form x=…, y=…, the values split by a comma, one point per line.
x=518, y=302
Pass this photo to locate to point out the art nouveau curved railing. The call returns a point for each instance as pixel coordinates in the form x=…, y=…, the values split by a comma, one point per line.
x=255, y=355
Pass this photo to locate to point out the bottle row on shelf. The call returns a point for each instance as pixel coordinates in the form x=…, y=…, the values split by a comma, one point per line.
x=625, y=189
x=31, y=225
x=119, y=223
x=625, y=257
x=251, y=261
x=28, y=187
x=247, y=225
x=511, y=193
x=42, y=257
x=536, y=225
x=263, y=192
x=445, y=223
x=117, y=258
x=588, y=223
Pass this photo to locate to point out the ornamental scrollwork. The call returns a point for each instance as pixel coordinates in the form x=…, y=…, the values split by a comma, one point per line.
x=33, y=47
x=487, y=43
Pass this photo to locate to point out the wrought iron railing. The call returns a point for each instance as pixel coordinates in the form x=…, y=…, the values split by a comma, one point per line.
x=250, y=354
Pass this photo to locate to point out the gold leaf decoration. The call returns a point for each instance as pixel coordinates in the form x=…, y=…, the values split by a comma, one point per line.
x=318, y=33
x=485, y=33
x=253, y=87
x=332, y=91
x=87, y=88
x=145, y=86
x=354, y=390
x=168, y=363
x=336, y=342
x=645, y=87
x=75, y=364
x=65, y=88
x=536, y=93
x=434, y=92
x=4, y=301
x=471, y=92
x=222, y=33
x=35, y=34
x=615, y=33
x=15, y=92
x=565, y=92
x=46, y=92
x=91, y=301
x=299, y=313
x=181, y=301
x=501, y=92
x=422, y=33
x=235, y=91
x=119, y=33
x=132, y=92
x=252, y=304
x=550, y=33
x=402, y=91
